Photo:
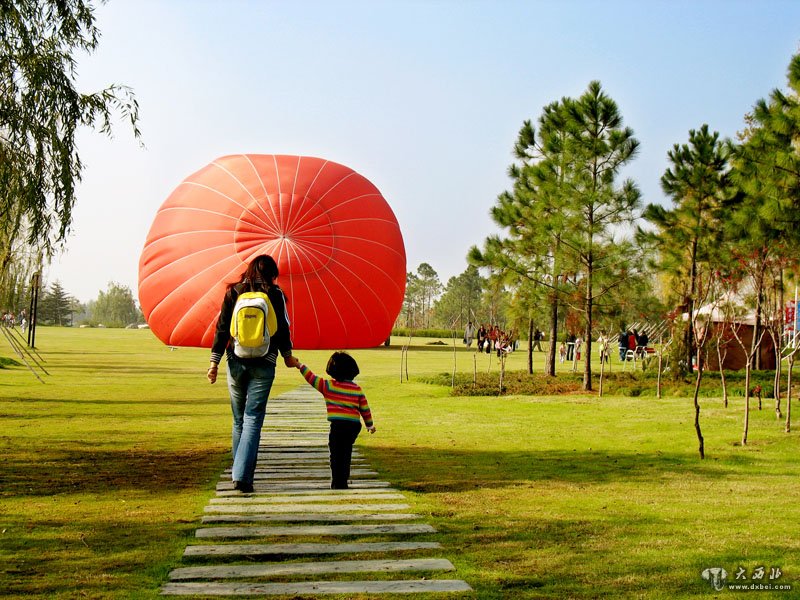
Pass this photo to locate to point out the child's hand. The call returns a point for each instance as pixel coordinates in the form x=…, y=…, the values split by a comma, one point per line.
x=371, y=429
x=292, y=362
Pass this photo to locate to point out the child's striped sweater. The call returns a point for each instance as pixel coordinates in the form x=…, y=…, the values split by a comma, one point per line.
x=344, y=400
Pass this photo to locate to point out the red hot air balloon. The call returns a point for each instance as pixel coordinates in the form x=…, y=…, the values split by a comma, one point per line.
x=336, y=241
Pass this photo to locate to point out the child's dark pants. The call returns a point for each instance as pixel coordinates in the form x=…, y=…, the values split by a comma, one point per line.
x=341, y=438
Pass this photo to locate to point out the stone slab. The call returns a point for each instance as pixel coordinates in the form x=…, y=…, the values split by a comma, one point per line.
x=322, y=508
x=307, y=517
x=350, y=492
x=296, y=414
x=301, y=450
x=274, y=440
x=298, y=429
x=288, y=435
x=283, y=549
x=370, y=529
x=320, y=484
x=300, y=455
x=311, y=568
x=256, y=498
x=266, y=444
x=314, y=588
x=305, y=463
x=294, y=433
x=315, y=466
x=267, y=473
x=297, y=417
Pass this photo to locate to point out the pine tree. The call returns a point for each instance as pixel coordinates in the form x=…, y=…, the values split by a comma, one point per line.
x=56, y=306
x=687, y=235
x=598, y=146
x=532, y=215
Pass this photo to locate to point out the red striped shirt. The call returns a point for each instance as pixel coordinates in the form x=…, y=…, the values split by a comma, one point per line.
x=344, y=400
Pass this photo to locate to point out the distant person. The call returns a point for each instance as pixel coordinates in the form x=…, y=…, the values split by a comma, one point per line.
x=570, y=346
x=537, y=340
x=562, y=352
x=481, y=335
x=602, y=346
x=491, y=338
x=346, y=406
x=469, y=333
x=250, y=379
x=642, y=342
x=513, y=340
x=622, y=342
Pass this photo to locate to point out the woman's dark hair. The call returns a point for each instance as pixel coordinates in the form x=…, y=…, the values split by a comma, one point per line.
x=342, y=367
x=263, y=267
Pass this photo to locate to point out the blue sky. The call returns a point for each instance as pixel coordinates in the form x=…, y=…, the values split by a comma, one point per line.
x=425, y=99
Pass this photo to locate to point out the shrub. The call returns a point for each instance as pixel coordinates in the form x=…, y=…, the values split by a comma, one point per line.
x=631, y=384
x=427, y=333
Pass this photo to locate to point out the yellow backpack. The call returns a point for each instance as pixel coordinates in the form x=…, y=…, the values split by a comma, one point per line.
x=252, y=324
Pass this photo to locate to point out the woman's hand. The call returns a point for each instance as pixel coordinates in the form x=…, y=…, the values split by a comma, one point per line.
x=212, y=373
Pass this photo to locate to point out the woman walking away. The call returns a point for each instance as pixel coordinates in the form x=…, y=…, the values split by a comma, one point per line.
x=251, y=368
x=346, y=406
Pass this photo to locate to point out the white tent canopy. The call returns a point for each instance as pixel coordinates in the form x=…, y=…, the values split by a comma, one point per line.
x=720, y=311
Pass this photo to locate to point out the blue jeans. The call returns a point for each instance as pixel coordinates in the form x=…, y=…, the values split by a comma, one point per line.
x=249, y=387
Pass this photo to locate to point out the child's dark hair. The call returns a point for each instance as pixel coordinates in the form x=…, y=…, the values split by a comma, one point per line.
x=342, y=367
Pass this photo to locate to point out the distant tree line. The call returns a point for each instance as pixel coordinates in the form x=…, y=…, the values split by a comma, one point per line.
x=115, y=307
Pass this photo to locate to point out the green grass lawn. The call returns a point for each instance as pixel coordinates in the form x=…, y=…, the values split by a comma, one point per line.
x=106, y=469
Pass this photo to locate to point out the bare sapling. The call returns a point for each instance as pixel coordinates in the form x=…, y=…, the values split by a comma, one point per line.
x=700, y=327
x=453, y=380
x=662, y=348
x=793, y=348
x=603, y=344
x=722, y=353
x=749, y=353
x=502, y=370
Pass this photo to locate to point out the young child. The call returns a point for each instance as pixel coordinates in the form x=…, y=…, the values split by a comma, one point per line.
x=562, y=352
x=346, y=406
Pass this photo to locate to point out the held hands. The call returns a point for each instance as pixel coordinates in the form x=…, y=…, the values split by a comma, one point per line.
x=291, y=362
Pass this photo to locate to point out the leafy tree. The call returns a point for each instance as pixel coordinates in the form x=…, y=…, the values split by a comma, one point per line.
x=422, y=288
x=409, y=314
x=460, y=301
x=429, y=288
x=116, y=307
x=40, y=114
x=15, y=281
x=687, y=235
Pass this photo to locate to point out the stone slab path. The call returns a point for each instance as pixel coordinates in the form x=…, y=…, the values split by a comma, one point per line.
x=295, y=536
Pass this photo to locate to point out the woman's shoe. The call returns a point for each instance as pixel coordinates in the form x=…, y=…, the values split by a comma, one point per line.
x=245, y=488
